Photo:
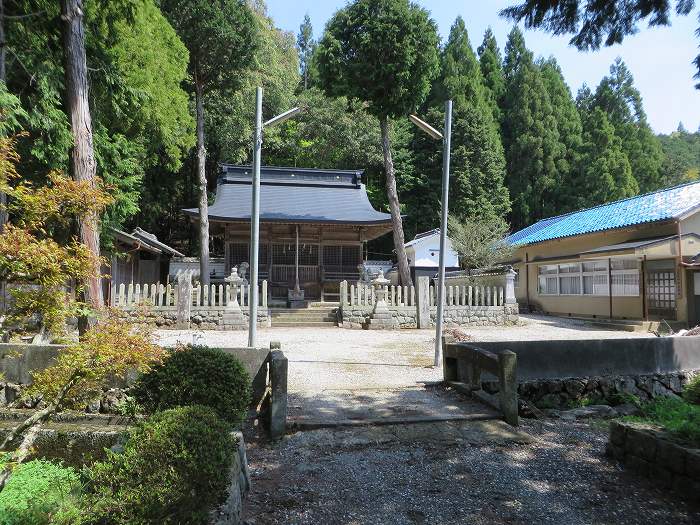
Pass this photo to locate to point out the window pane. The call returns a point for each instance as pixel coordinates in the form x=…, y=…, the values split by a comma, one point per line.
x=548, y=285
x=595, y=266
x=570, y=285
x=595, y=284
x=569, y=268
x=626, y=284
x=624, y=264
x=551, y=268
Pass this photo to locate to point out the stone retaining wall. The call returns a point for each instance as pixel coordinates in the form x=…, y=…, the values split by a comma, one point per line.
x=357, y=316
x=649, y=452
x=563, y=393
x=203, y=318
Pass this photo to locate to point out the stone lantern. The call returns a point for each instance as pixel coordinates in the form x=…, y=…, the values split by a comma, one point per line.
x=233, y=318
x=381, y=318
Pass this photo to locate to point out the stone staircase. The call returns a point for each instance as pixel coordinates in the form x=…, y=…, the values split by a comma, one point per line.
x=315, y=315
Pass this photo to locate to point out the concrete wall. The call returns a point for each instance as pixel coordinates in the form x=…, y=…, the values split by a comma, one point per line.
x=358, y=316
x=204, y=318
x=601, y=357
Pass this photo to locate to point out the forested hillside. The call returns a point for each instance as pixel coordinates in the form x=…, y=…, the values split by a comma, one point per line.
x=524, y=146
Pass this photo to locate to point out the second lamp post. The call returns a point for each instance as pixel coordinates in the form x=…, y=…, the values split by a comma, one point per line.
x=443, y=218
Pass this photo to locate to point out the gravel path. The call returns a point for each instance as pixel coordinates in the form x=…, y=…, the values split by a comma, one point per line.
x=443, y=473
x=353, y=477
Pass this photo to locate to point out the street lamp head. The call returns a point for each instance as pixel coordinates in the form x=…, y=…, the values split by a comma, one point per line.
x=282, y=117
x=426, y=127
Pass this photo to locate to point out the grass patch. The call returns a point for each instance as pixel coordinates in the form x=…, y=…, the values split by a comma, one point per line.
x=678, y=417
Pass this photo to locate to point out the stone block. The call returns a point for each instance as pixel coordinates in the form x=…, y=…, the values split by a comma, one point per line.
x=614, y=451
x=670, y=456
x=638, y=465
x=661, y=476
x=641, y=443
x=686, y=488
x=692, y=463
x=618, y=433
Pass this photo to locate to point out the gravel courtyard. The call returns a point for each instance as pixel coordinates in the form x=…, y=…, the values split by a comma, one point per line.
x=451, y=472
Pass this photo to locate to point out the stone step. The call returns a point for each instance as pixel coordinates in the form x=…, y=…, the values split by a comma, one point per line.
x=303, y=324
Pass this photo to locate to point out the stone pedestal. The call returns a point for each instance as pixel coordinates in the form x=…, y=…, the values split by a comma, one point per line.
x=381, y=318
x=295, y=298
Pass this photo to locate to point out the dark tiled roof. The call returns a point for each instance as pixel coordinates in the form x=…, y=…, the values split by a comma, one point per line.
x=670, y=203
x=294, y=195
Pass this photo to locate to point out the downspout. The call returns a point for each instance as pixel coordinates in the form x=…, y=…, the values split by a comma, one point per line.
x=645, y=315
x=610, y=295
x=527, y=283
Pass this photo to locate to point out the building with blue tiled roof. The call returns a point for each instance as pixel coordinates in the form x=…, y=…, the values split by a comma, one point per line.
x=636, y=258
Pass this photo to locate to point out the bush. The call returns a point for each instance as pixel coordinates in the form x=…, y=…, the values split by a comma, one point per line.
x=36, y=490
x=197, y=375
x=174, y=469
x=691, y=392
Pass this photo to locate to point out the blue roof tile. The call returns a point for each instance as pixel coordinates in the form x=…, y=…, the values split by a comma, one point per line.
x=666, y=204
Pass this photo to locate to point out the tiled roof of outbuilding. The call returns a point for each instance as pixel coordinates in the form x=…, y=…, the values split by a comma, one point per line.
x=666, y=204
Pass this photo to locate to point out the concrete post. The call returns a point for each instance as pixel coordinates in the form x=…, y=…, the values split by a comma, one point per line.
x=278, y=394
x=510, y=287
x=343, y=294
x=508, y=386
x=423, y=302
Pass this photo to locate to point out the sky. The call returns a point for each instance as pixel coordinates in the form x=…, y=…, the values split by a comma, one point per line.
x=659, y=58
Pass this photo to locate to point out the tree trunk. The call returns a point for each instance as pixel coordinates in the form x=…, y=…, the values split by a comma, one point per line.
x=203, y=201
x=394, y=206
x=83, y=165
x=3, y=43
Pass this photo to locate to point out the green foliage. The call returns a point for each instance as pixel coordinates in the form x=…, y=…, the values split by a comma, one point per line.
x=35, y=491
x=139, y=111
x=569, y=128
x=197, y=375
x=679, y=418
x=491, y=64
x=221, y=38
x=681, y=157
x=384, y=53
x=691, y=392
x=480, y=243
x=534, y=150
x=306, y=46
x=174, y=469
x=606, y=174
x=622, y=102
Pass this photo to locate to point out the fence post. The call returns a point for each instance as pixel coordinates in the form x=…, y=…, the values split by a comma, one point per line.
x=423, y=302
x=343, y=294
x=508, y=386
x=510, y=287
x=278, y=392
x=264, y=294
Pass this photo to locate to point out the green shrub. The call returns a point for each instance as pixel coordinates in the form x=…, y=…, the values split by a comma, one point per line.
x=197, y=375
x=35, y=490
x=675, y=415
x=691, y=392
x=173, y=470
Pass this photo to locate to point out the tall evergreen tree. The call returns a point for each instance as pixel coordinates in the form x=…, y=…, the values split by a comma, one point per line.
x=569, y=127
x=534, y=152
x=622, y=103
x=305, y=45
x=386, y=54
x=222, y=40
x=605, y=173
x=477, y=166
x=491, y=64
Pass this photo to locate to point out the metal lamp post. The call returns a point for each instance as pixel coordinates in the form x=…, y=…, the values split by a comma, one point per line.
x=427, y=128
x=255, y=208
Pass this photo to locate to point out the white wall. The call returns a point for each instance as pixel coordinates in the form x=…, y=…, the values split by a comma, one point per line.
x=426, y=253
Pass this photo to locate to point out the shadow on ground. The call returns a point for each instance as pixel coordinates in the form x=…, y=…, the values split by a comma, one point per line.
x=475, y=472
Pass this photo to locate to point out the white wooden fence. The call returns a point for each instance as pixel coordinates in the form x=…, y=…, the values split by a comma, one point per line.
x=157, y=295
x=362, y=294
